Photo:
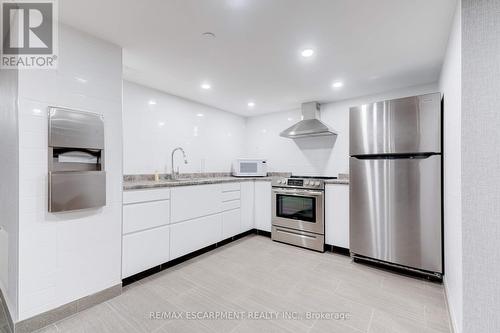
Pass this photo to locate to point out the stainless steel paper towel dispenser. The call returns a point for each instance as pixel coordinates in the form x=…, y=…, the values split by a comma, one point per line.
x=77, y=179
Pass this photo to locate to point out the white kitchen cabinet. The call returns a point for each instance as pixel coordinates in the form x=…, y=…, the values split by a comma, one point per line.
x=145, y=249
x=189, y=236
x=231, y=187
x=337, y=215
x=145, y=215
x=135, y=196
x=231, y=223
x=189, y=202
x=247, y=206
x=230, y=205
x=263, y=205
x=230, y=196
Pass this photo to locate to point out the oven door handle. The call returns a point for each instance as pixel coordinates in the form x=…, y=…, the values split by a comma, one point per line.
x=299, y=192
x=297, y=234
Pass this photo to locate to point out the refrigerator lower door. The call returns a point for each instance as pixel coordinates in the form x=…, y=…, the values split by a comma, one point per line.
x=395, y=210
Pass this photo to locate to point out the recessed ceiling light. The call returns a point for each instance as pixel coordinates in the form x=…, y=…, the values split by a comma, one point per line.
x=337, y=84
x=152, y=102
x=205, y=86
x=307, y=53
x=208, y=35
x=161, y=124
x=251, y=104
x=80, y=79
x=200, y=115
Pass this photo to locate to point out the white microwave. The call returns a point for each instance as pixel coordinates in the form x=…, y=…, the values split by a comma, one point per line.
x=249, y=168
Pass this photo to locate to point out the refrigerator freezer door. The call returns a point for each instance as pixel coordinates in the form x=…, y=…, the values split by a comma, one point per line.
x=405, y=125
x=395, y=210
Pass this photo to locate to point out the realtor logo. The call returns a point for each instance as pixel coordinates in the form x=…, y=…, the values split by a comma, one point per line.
x=29, y=34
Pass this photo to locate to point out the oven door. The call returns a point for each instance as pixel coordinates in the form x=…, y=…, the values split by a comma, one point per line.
x=299, y=209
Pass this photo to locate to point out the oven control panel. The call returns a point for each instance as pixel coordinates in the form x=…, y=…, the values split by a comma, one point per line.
x=299, y=183
x=295, y=182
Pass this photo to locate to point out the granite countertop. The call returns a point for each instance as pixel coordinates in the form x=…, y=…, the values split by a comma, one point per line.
x=137, y=182
x=337, y=181
x=145, y=184
x=140, y=182
x=343, y=178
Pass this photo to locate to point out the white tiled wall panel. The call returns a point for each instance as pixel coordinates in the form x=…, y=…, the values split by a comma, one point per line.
x=59, y=254
x=211, y=138
x=9, y=198
x=450, y=86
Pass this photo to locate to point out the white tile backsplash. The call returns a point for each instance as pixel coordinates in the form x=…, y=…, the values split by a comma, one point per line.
x=76, y=253
x=211, y=138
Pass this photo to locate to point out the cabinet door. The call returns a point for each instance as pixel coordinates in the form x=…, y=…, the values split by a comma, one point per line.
x=231, y=223
x=145, y=215
x=189, y=236
x=145, y=249
x=263, y=205
x=337, y=215
x=189, y=202
x=247, y=206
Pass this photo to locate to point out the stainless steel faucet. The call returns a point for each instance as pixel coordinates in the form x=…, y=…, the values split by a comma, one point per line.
x=174, y=175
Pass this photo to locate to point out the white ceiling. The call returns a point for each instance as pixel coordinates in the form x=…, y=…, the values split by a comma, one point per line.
x=372, y=46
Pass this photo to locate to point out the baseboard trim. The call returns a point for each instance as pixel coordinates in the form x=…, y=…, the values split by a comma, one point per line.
x=5, y=308
x=453, y=324
x=337, y=249
x=52, y=316
x=262, y=232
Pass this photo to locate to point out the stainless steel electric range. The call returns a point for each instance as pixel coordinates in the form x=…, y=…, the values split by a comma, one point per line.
x=298, y=211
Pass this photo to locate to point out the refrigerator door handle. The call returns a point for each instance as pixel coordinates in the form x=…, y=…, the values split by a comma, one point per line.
x=395, y=156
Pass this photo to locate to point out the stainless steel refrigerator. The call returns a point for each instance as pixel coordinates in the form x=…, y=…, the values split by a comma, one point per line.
x=395, y=183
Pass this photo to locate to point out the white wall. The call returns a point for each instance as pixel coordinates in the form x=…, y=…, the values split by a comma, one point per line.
x=481, y=164
x=9, y=188
x=312, y=156
x=211, y=138
x=450, y=85
x=65, y=256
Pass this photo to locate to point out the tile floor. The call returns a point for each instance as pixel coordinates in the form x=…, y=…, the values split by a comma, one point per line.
x=4, y=325
x=256, y=275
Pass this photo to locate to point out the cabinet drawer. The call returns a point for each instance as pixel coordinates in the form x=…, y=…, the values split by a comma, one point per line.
x=189, y=202
x=145, y=195
x=145, y=215
x=193, y=235
x=229, y=205
x=144, y=250
x=228, y=196
x=231, y=223
x=227, y=187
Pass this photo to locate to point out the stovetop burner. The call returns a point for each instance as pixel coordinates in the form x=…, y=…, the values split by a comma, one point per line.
x=313, y=177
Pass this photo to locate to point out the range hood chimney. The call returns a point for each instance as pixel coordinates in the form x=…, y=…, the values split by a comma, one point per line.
x=310, y=125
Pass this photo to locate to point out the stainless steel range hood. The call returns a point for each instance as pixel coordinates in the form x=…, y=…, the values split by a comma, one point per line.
x=310, y=125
